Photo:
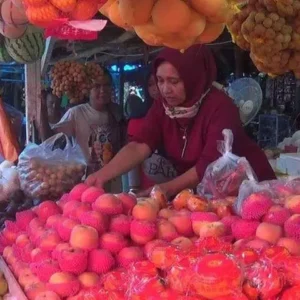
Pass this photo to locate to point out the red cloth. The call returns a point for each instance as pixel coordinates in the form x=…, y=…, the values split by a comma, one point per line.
x=217, y=112
x=133, y=127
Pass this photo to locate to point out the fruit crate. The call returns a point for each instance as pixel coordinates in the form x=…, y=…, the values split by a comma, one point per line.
x=14, y=288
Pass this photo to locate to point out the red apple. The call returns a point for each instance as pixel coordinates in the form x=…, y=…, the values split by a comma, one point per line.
x=82, y=208
x=22, y=240
x=84, y=237
x=128, y=201
x=64, y=284
x=54, y=221
x=216, y=229
x=38, y=254
x=65, y=228
x=223, y=211
x=48, y=240
x=89, y=279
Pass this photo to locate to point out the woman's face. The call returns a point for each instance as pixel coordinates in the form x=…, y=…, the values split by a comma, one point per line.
x=170, y=84
x=152, y=88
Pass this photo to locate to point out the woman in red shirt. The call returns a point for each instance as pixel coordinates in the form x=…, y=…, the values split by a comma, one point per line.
x=156, y=169
x=188, y=121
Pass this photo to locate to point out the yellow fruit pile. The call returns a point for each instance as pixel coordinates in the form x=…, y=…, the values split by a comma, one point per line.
x=173, y=23
x=270, y=30
x=74, y=79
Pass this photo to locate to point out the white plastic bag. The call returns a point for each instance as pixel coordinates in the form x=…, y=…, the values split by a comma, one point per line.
x=9, y=182
x=51, y=169
x=224, y=176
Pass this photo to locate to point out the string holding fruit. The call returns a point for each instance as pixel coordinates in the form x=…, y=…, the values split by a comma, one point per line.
x=270, y=30
x=74, y=79
x=174, y=23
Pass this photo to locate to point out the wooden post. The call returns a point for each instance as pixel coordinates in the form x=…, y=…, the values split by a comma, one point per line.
x=32, y=97
x=47, y=55
x=121, y=85
x=239, y=62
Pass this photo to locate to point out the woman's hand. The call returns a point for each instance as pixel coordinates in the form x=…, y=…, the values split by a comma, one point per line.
x=95, y=180
x=147, y=192
x=144, y=193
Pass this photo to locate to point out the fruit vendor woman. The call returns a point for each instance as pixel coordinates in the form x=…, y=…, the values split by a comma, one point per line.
x=97, y=127
x=187, y=122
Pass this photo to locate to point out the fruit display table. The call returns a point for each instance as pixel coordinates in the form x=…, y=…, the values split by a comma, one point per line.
x=14, y=288
x=94, y=245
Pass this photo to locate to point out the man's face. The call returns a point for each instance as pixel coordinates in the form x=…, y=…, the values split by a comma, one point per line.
x=52, y=105
x=100, y=95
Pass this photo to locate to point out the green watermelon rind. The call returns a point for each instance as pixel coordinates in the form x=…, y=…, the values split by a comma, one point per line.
x=4, y=56
x=27, y=49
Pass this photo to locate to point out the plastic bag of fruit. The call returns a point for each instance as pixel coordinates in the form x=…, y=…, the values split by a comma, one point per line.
x=263, y=280
x=265, y=195
x=224, y=176
x=51, y=169
x=9, y=180
x=143, y=281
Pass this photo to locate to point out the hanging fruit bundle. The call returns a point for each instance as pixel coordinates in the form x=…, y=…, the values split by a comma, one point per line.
x=270, y=30
x=13, y=19
x=74, y=79
x=174, y=23
x=59, y=15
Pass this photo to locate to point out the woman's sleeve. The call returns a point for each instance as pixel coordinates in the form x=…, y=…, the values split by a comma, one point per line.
x=225, y=117
x=150, y=130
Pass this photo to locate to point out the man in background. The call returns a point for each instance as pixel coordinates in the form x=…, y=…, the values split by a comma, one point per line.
x=97, y=126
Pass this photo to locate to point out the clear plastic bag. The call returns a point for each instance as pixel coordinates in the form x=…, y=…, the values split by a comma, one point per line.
x=277, y=191
x=144, y=281
x=51, y=169
x=224, y=176
x=263, y=280
x=9, y=182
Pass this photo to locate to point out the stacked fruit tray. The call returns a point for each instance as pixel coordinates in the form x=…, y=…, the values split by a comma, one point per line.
x=93, y=245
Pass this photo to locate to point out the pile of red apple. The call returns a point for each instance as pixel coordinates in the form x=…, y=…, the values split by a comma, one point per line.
x=92, y=245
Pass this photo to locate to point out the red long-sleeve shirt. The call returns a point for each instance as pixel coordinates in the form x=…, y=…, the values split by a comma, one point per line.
x=199, y=149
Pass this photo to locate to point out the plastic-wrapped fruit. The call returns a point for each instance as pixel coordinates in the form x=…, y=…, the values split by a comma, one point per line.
x=266, y=279
x=218, y=275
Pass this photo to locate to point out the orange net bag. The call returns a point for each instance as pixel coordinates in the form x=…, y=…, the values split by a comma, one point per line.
x=66, y=19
